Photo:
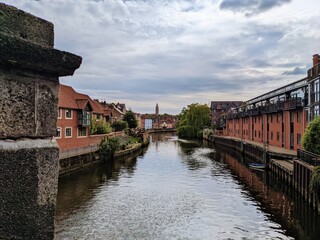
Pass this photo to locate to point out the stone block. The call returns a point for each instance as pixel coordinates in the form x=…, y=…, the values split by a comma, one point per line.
x=17, y=53
x=28, y=183
x=28, y=106
x=23, y=25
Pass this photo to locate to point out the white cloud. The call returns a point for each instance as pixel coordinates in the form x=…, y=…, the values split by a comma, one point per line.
x=180, y=51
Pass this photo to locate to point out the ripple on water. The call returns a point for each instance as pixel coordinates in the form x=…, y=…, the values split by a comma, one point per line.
x=173, y=193
x=121, y=214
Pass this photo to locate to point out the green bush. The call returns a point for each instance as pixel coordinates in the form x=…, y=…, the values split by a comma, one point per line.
x=108, y=146
x=119, y=125
x=185, y=131
x=315, y=182
x=134, y=140
x=131, y=119
x=100, y=127
x=200, y=134
x=311, y=137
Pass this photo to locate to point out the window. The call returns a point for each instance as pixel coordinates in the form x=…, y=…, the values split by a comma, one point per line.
x=58, y=133
x=271, y=118
x=278, y=136
x=291, y=116
x=68, y=113
x=271, y=135
x=298, y=138
x=98, y=117
x=316, y=91
x=68, y=133
x=255, y=133
x=59, y=113
x=316, y=111
x=84, y=118
x=299, y=117
x=82, y=131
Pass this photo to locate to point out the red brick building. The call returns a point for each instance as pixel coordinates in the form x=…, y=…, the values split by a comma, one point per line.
x=278, y=118
x=219, y=109
x=75, y=113
x=314, y=88
x=113, y=112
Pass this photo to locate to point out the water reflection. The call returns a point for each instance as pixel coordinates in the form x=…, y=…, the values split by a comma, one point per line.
x=76, y=190
x=279, y=201
x=180, y=189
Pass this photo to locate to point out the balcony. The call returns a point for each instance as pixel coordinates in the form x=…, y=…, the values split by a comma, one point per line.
x=232, y=116
x=84, y=119
x=293, y=104
x=242, y=114
x=253, y=112
x=273, y=107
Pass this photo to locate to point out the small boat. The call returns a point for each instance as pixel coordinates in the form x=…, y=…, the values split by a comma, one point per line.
x=257, y=165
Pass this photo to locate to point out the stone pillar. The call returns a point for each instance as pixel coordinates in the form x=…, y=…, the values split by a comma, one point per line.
x=29, y=83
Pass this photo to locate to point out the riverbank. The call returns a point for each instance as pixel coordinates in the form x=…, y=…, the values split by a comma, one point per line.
x=282, y=163
x=162, y=130
x=78, y=162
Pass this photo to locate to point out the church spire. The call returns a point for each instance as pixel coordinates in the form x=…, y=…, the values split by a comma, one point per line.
x=157, y=109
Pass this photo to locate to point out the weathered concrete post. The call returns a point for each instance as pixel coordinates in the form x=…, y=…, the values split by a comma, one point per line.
x=29, y=84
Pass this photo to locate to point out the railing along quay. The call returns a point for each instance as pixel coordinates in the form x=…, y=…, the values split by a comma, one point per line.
x=308, y=157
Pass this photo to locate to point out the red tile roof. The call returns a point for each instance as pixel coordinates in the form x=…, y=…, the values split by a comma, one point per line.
x=69, y=98
x=82, y=103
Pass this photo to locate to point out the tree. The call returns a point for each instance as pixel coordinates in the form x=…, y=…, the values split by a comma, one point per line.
x=131, y=119
x=99, y=127
x=311, y=136
x=193, y=119
x=119, y=125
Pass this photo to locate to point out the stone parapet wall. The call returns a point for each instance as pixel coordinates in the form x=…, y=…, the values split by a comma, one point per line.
x=28, y=183
x=28, y=106
x=29, y=84
x=20, y=24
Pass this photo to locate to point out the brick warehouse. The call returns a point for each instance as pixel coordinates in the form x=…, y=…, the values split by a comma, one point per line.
x=278, y=117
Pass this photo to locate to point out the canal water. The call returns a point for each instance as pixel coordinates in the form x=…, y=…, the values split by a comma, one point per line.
x=180, y=189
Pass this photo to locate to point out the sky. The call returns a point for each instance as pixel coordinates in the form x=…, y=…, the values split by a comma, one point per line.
x=178, y=52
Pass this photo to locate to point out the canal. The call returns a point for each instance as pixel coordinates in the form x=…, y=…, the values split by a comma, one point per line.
x=180, y=189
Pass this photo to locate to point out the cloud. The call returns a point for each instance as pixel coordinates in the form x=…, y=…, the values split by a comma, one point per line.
x=251, y=7
x=296, y=71
x=176, y=52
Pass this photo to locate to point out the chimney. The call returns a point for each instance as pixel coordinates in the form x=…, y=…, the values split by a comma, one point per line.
x=315, y=59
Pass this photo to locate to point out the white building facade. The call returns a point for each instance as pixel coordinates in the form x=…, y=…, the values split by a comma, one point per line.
x=148, y=124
